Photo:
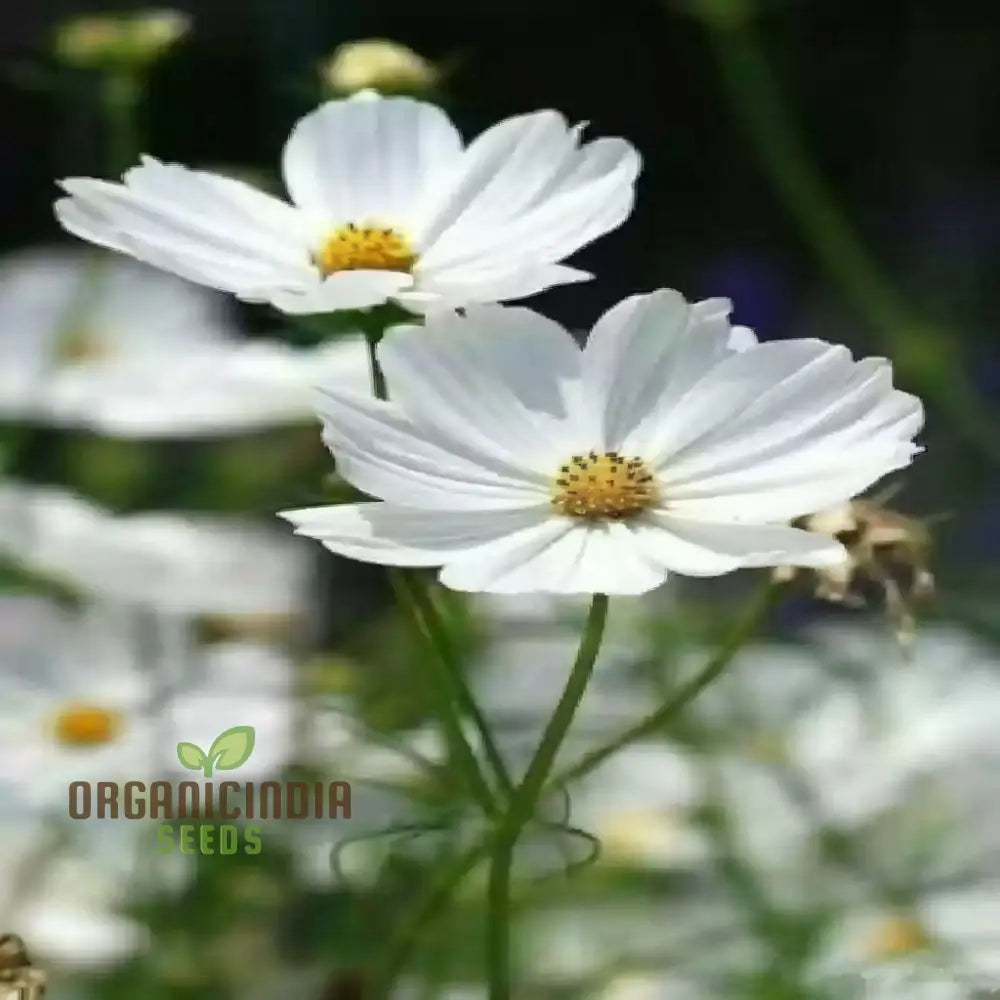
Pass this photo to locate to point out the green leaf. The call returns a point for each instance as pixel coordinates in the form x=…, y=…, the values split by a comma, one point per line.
x=192, y=757
x=232, y=748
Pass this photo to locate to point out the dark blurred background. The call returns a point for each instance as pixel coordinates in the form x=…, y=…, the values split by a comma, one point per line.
x=895, y=105
x=899, y=102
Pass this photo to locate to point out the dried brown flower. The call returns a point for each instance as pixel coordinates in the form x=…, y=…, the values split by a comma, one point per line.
x=888, y=556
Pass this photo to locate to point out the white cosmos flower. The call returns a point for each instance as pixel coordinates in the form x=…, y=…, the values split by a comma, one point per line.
x=386, y=204
x=102, y=343
x=62, y=310
x=519, y=462
x=75, y=703
x=183, y=564
x=944, y=946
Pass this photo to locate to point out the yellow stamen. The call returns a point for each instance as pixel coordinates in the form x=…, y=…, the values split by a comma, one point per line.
x=83, y=725
x=365, y=248
x=603, y=485
x=896, y=937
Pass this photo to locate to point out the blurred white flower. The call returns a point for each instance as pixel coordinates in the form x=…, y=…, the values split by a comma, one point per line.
x=840, y=731
x=60, y=309
x=386, y=204
x=110, y=345
x=521, y=463
x=179, y=564
x=945, y=947
x=238, y=684
x=209, y=390
x=74, y=706
x=71, y=917
x=699, y=938
x=650, y=986
x=640, y=804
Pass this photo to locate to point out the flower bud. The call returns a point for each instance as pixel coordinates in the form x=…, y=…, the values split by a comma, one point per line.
x=379, y=64
x=116, y=41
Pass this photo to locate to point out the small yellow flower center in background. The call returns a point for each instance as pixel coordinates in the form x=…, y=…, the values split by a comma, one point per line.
x=896, y=937
x=365, y=248
x=80, y=345
x=637, y=834
x=85, y=725
x=604, y=485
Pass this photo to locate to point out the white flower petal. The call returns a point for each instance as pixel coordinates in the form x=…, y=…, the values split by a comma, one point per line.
x=462, y=287
x=768, y=392
x=377, y=159
x=645, y=354
x=561, y=556
x=822, y=429
x=799, y=491
x=502, y=172
x=195, y=223
x=378, y=450
x=528, y=190
x=703, y=548
x=742, y=338
x=342, y=290
x=499, y=381
x=400, y=536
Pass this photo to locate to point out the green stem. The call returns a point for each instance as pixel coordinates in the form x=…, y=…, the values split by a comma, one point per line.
x=427, y=909
x=741, y=631
x=121, y=93
x=442, y=687
x=525, y=798
x=441, y=640
x=379, y=390
x=923, y=352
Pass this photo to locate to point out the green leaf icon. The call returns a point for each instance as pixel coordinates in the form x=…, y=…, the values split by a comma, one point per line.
x=232, y=748
x=191, y=756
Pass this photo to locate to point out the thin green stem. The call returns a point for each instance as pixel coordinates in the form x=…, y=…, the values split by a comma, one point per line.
x=740, y=632
x=121, y=93
x=449, y=656
x=443, y=689
x=429, y=907
x=525, y=798
x=921, y=351
x=378, y=379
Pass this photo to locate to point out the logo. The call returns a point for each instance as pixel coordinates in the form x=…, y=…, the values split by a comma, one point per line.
x=202, y=803
x=229, y=751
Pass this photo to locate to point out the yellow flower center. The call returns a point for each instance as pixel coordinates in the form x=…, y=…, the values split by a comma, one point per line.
x=604, y=485
x=365, y=248
x=85, y=725
x=896, y=937
x=79, y=345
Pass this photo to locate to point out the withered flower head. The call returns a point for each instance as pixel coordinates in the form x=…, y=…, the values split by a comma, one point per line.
x=888, y=558
x=17, y=972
